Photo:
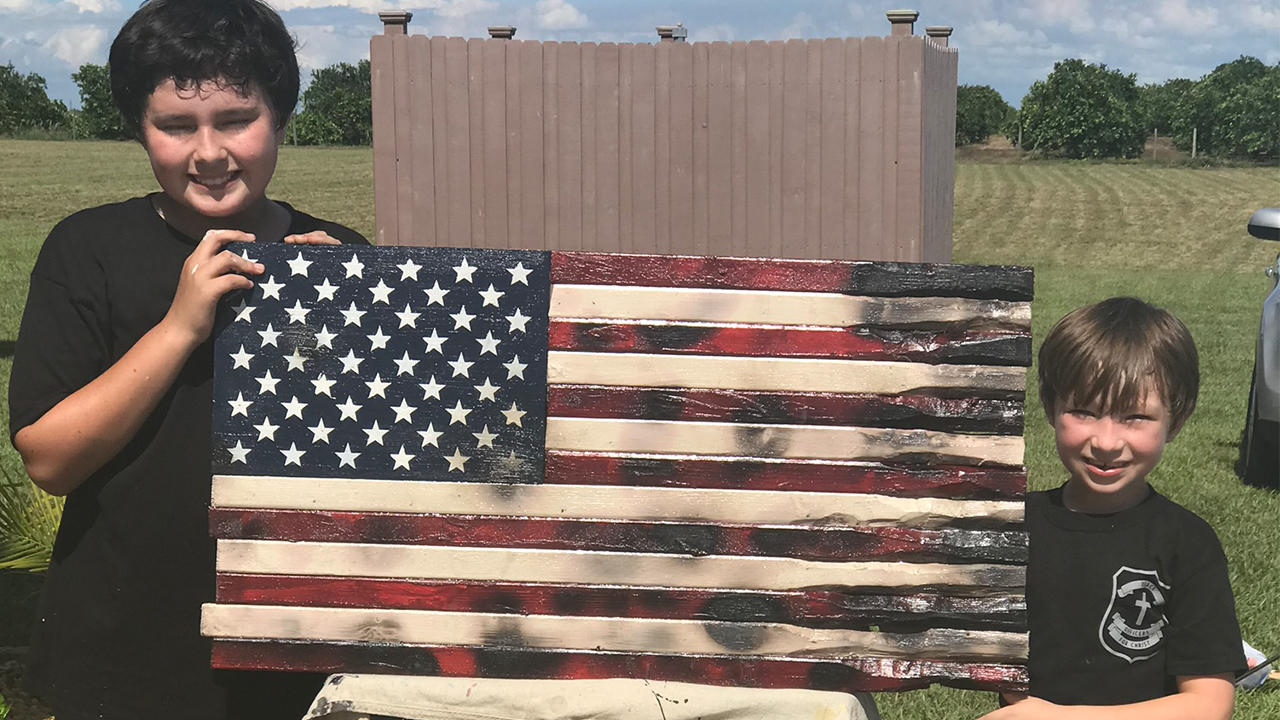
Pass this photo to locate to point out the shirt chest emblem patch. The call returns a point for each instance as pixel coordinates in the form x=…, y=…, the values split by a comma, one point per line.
x=1133, y=625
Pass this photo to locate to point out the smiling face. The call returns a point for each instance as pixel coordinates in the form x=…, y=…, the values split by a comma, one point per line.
x=1110, y=454
x=213, y=151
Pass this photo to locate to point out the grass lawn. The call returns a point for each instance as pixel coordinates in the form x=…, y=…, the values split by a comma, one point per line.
x=1172, y=235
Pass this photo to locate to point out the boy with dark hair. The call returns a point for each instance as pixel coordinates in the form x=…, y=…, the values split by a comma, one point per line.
x=110, y=397
x=1130, y=608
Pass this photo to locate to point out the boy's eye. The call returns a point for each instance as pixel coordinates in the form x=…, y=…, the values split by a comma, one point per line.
x=1081, y=413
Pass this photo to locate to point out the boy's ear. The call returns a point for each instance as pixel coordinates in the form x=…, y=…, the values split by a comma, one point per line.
x=1177, y=428
x=282, y=132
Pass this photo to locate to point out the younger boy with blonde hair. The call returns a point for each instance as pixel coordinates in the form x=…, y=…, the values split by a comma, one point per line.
x=1130, y=608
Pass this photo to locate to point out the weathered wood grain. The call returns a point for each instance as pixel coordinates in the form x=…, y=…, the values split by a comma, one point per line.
x=960, y=482
x=833, y=544
x=615, y=634
x=781, y=307
x=272, y=557
x=603, y=502
x=886, y=279
x=847, y=675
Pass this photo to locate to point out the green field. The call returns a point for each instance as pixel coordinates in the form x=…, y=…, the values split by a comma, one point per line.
x=1172, y=235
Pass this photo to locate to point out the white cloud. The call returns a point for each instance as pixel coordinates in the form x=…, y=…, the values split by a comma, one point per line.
x=799, y=27
x=1178, y=16
x=77, y=44
x=714, y=33
x=1257, y=17
x=458, y=9
x=95, y=6
x=559, y=15
x=1075, y=14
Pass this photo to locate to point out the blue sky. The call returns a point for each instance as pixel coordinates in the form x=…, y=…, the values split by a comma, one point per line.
x=1007, y=44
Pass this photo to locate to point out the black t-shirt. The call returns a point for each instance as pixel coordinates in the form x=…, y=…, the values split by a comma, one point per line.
x=118, y=634
x=1119, y=605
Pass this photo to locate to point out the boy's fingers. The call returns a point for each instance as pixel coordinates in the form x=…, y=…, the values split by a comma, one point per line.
x=214, y=240
x=315, y=237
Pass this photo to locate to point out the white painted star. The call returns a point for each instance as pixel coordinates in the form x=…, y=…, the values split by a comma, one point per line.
x=271, y=288
x=298, y=266
x=435, y=295
x=487, y=390
x=381, y=293
x=408, y=318
x=515, y=368
x=457, y=461
x=293, y=408
x=297, y=313
x=402, y=459
x=484, y=438
x=463, y=271
x=324, y=338
x=347, y=457
x=461, y=366
x=458, y=414
x=349, y=409
x=491, y=296
x=404, y=366
x=351, y=363
x=323, y=385
x=517, y=321
x=462, y=319
x=245, y=255
x=435, y=343
x=239, y=453
x=378, y=341
x=377, y=386
x=351, y=316
x=325, y=290
x=266, y=431
x=488, y=344
x=240, y=406
x=431, y=389
x=409, y=269
x=354, y=267
x=430, y=435
x=519, y=274
x=241, y=359
x=404, y=412
x=293, y=456
x=513, y=415
x=320, y=433
x=267, y=384
x=374, y=434
x=244, y=312
x=269, y=336
x=296, y=361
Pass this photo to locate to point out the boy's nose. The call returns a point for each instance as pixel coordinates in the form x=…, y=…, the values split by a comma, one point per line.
x=209, y=147
x=1107, y=436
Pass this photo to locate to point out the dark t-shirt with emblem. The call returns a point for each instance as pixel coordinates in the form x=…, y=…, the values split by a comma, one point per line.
x=1119, y=605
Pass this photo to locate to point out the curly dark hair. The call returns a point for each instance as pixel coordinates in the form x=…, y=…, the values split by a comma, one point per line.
x=242, y=44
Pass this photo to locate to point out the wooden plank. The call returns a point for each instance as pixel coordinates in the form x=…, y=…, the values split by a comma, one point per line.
x=532, y=198
x=758, y=222
x=602, y=502
x=845, y=675
x=739, y=235
x=496, y=209
x=440, y=146
x=513, y=56
x=813, y=150
x=777, y=105
x=626, y=146
x=977, y=282
x=386, y=209
x=721, y=122
x=834, y=124
x=590, y=151
x=643, y=151
x=852, y=245
x=662, y=148
x=893, y=233
x=476, y=139
x=692, y=637
x=791, y=140
x=782, y=308
x=909, y=197
x=933, y=346
x=680, y=138
x=808, y=608
x=405, y=137
x=871, y=152
x=608, y=146
x=569, y=145
x=831, y=544
x=819, y=442
x=701, y=212
x=823, y=476
x=927, y=412
x=272, y=557
x=551, y=157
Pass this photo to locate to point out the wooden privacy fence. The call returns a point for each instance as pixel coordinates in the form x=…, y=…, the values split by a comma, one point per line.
x=838, y=148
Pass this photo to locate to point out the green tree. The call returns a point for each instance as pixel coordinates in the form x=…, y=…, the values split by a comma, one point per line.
x=98, y=114
x=337, y=107
x=1083, y=110
x=980, y=111
x=1230, y=112
x=25, y=103
x=1158, y=104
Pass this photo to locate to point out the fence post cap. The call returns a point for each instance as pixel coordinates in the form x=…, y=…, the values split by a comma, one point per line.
x=938, y=30
x=902, y=16
x=672, y=32
x=395, y=22
x=502, y=32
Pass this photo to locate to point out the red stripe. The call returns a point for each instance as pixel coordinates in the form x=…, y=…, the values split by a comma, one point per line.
x=971, y=415
x=695, y=539
x=817, y=608
x=845, y=675
x=1009, y=348
x=943, y=481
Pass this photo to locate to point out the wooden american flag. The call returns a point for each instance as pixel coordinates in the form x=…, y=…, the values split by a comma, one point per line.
x=502, y=463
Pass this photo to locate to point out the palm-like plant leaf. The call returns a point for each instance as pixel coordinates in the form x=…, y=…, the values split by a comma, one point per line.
x=28, y=523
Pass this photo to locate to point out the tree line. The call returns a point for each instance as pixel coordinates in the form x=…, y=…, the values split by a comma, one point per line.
x=1081, y=110
x=1087, y=110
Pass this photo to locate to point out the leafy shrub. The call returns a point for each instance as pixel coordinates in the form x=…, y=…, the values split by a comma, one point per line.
x=979, y=113
x=1083, y=110
x=25, y=103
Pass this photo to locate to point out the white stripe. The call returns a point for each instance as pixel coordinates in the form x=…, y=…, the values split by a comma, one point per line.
x=601, y=502
x=632, y=635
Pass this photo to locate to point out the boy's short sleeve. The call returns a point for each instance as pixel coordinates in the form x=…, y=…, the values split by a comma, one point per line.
x=1203, y=634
